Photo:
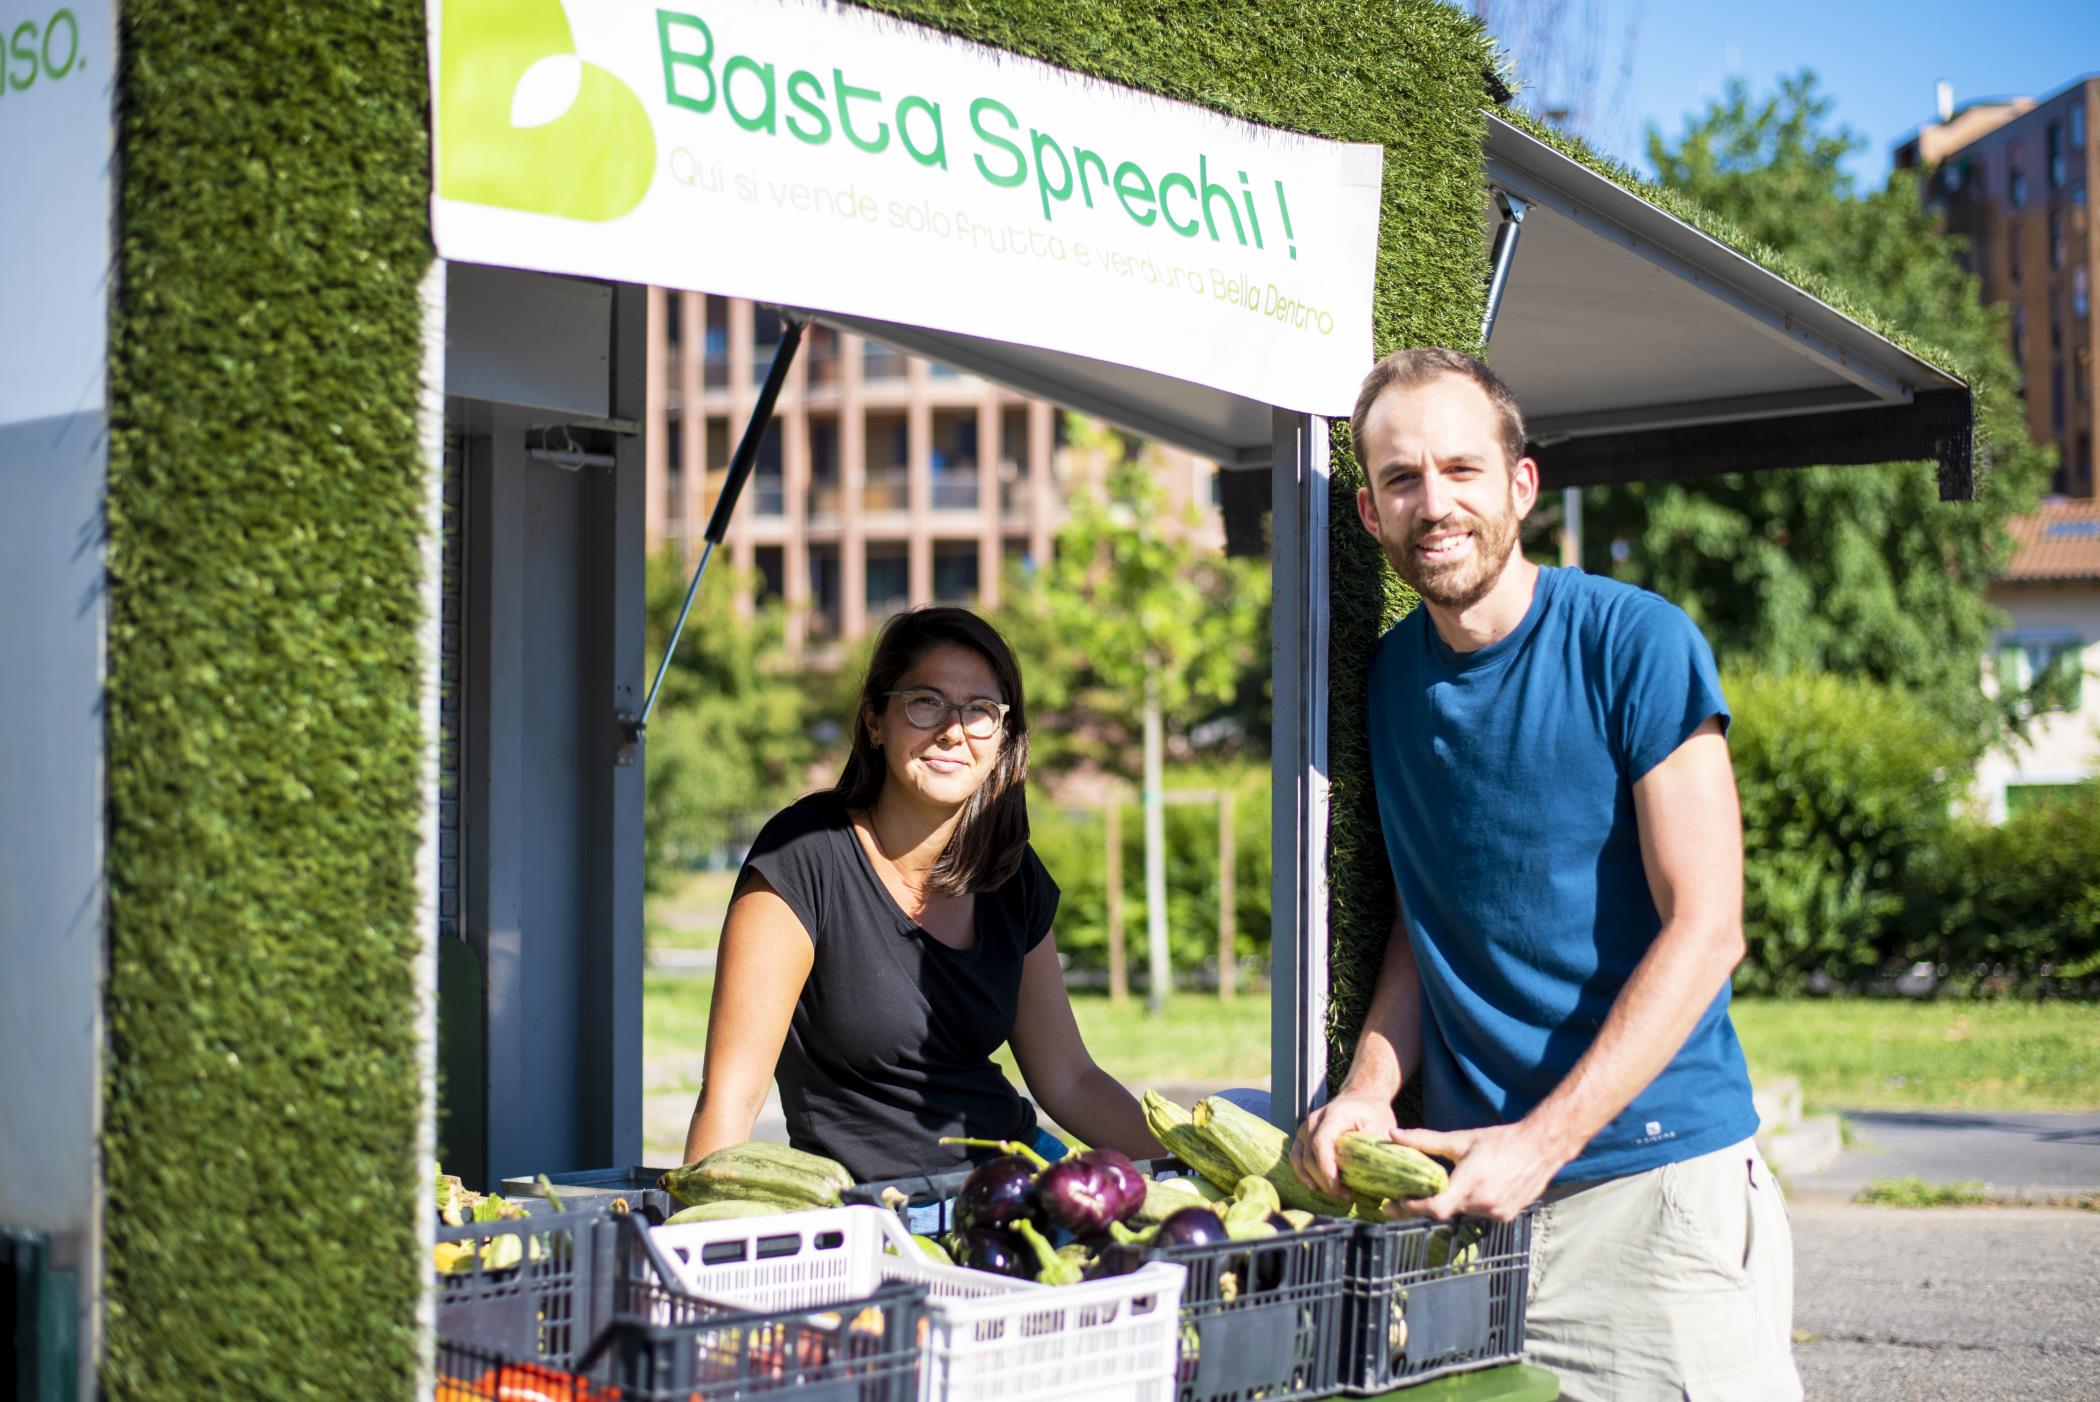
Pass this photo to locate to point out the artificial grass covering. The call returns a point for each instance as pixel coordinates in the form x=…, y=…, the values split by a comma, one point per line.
x=264, y=745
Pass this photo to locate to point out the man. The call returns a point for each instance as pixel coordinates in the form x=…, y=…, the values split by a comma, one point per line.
x=1560, y=814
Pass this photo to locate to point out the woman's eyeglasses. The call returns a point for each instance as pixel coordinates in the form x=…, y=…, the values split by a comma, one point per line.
x=929, y=710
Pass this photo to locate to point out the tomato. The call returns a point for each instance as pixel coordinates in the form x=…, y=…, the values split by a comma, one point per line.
x=533, y=1382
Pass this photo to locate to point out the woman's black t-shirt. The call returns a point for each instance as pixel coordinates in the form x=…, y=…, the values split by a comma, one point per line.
x=890, y=1045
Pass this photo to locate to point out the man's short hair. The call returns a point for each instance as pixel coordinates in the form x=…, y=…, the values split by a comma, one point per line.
x=1404, y=369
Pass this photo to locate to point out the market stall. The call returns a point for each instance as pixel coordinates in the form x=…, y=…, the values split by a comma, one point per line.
x=330, y=731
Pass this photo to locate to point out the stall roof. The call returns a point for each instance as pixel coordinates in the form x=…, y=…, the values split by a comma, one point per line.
x=1640, y=347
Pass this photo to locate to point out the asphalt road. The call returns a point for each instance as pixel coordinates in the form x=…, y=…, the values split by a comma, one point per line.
x=2018, y=1158
x=1974, y=1304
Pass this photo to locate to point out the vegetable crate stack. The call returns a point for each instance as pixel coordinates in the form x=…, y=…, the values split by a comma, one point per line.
x=579, y=1306
x=1288, y=1294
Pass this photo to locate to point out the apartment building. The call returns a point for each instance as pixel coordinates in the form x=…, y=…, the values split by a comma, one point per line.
x=2015, y=178
x=885, y=481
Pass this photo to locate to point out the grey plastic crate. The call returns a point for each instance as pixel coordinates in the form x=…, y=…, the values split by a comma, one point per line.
x=1423, y=1299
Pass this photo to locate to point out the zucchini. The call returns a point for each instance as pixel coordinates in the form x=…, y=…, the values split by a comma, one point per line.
x=726, y=1209
x=1382, y=1169
x=1255, y=1146
x=757, y=1172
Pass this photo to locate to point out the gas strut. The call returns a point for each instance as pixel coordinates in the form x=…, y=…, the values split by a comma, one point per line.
x=725, y=505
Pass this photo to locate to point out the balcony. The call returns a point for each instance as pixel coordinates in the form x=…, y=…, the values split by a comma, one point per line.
x=955, y=489
x=886, y=490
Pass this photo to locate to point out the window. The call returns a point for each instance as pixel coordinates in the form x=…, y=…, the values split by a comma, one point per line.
x=2056, y=238
x=880, y=362
x=2054, y=143
x=889, y=580
x=954, y=571
x=772, y=571
x=714, y=349
x=2082, y=474
x=954, y=460
x=823, y=619
x=674, y=316
x=2019, y=338
x=2056, y=399
x=674, y=443
x=2078, y=127
x=766, y=330
x=2056, y=660
x=2015, y=182
x=2081, y=293
x=824, y=494
x=769, y=492
x=2012, y=252
x=887, y=486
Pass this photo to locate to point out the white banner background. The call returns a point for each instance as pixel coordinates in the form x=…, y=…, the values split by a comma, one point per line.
x=830, y=226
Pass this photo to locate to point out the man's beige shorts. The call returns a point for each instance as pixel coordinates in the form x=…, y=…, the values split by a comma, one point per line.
x=1676, y=1283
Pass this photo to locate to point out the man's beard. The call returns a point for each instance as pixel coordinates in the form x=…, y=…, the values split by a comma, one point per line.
x=1464, y=582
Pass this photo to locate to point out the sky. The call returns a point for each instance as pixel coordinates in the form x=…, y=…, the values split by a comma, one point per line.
x=1879, y=59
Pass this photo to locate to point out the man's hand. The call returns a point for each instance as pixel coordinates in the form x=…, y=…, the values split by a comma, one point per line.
x=1312, y=1152
x=1500, y=1170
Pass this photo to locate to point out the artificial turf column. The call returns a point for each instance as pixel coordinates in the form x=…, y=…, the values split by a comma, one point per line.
x=266, y=495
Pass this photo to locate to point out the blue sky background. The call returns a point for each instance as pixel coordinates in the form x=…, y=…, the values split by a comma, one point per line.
x=1878, y=58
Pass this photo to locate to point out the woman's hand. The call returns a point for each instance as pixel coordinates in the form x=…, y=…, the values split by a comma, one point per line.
x=760, y=967
x=1062, y=1077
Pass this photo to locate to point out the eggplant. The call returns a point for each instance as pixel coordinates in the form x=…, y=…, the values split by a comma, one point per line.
x=1079, y=1196
x=989, y=1249
x=1114, y=1258
x=1123, y=1177
x=996, y=1193
x=1191, y=1226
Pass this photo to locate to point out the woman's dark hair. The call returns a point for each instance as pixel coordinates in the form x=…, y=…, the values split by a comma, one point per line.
x=986, y=846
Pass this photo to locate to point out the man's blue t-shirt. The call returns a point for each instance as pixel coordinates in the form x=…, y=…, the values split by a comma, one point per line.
x=1505, y=787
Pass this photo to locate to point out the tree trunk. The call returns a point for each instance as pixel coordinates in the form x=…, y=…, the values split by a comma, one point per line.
x=1118, y=977
x=1228, y=971
x=1155, y=850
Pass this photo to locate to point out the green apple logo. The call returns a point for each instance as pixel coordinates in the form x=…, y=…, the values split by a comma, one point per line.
x=525, y=124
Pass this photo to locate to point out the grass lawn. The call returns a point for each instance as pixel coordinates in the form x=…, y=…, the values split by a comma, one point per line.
x=1891, y=1054
x=1197, y=1038
x=1851, y=1054
x=688, y=916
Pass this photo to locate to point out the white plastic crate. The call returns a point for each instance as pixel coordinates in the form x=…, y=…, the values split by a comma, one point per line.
x=987, y=1338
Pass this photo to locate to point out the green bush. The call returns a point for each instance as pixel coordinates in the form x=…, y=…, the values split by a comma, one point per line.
x=727, y=743
x=1071, y=842
x=2014, y=904
x=1842, y=782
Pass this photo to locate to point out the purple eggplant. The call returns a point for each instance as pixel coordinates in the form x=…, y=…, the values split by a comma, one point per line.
x=1079, y=1196
x=1114, y=1258
x=997, y=1192
x=989, y=1249
x=1123, y=1176
x=1191, y=1226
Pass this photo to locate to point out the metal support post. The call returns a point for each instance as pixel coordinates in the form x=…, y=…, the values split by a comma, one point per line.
x=1504, y=256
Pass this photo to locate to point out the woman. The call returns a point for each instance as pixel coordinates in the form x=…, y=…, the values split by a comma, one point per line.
x=888, y=934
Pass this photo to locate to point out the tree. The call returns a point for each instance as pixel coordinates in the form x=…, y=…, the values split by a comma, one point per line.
x=1858, y=570
x=1132, y=620
x=726, y=740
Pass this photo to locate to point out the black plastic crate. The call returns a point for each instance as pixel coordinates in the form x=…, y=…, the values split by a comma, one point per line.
x=587, y=1309
x=1423, y=1299
x=590, y=1186
x=666, y=1346
x=1262, y=1319
x=538, y=1287
x=1273, y=1332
